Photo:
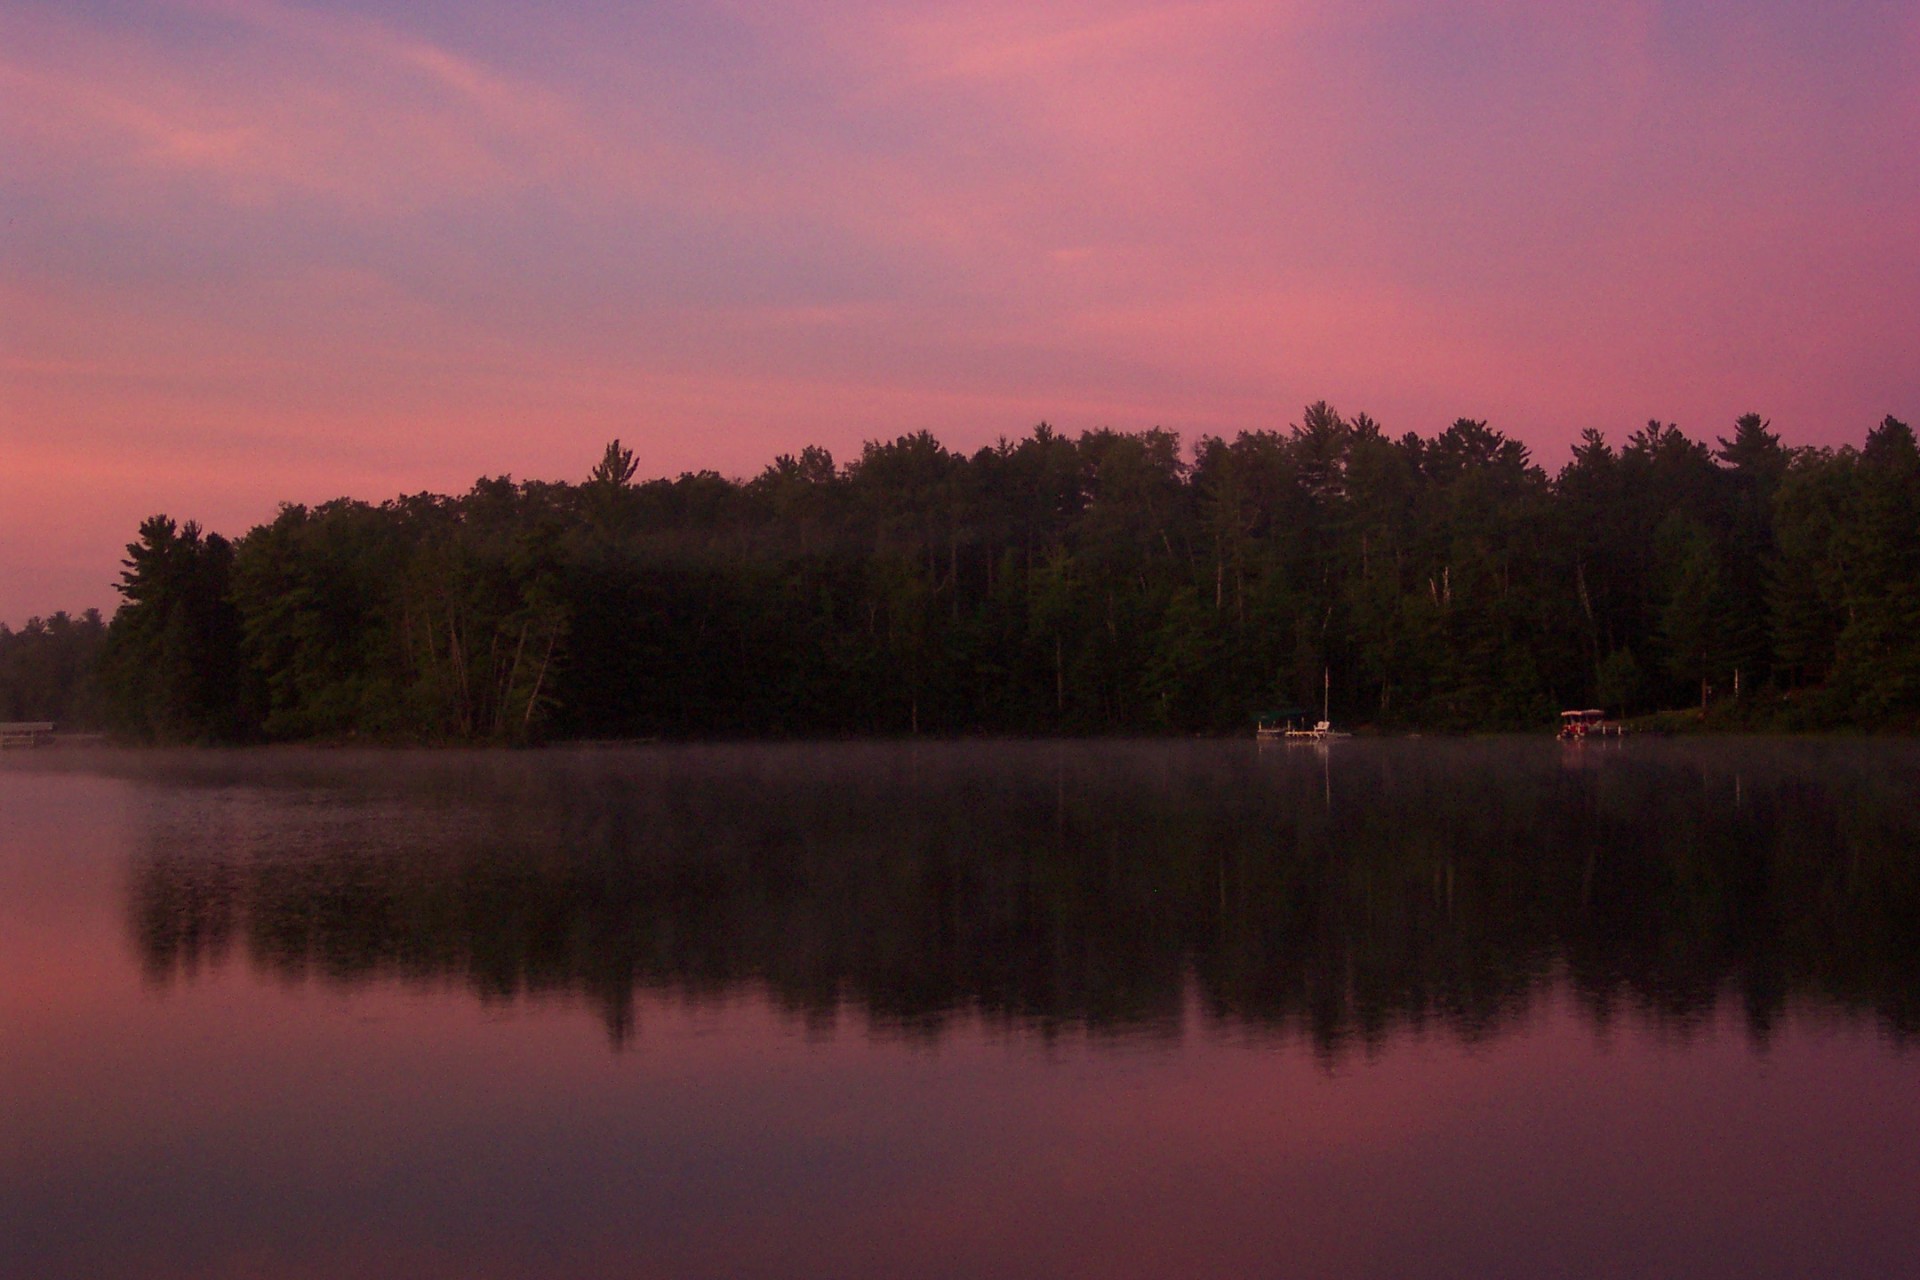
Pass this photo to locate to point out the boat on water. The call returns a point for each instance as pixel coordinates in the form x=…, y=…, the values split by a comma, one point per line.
x=1578, y=726
x=1274, y=726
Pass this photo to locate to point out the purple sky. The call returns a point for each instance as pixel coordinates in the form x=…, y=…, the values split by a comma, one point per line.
x=257, y=252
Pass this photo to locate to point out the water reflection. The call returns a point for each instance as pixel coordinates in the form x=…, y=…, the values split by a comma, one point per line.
x=1340, y=896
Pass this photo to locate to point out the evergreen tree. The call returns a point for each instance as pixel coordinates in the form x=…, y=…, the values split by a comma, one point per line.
x=1106, y=582
x=1878, y=658
x=171, y=664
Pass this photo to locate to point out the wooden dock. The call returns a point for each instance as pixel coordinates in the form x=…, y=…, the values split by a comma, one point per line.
x=26, y=733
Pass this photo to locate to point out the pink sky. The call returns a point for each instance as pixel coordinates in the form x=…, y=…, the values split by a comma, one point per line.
x=257, y=252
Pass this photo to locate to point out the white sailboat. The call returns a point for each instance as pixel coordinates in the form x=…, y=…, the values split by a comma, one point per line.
x=1324, y=729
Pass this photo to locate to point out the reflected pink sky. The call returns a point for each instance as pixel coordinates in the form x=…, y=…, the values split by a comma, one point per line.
x=259, y=252
x=232, y=1123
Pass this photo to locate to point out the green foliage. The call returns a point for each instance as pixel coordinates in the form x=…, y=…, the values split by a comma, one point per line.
x=1876, y=652
x=49, y=670
x=1620, y=684
x=171, y=665
x=1694, y=613
x=1111, y=582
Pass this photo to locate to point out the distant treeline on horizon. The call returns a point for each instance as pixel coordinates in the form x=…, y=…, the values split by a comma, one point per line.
x=1106, y=583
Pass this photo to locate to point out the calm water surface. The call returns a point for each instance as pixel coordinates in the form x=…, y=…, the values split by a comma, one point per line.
x=1415, y=1008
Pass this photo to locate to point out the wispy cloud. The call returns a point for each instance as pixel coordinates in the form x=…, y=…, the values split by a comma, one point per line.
x=280, y=105
x=306, y=246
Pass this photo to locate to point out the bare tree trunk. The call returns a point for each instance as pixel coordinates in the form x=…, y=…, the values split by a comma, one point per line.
x=506, y=685
x=457, y=661
x=1059, y=678
x=540, y=678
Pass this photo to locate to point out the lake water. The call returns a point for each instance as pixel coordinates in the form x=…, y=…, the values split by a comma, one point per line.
x=1398, y=1008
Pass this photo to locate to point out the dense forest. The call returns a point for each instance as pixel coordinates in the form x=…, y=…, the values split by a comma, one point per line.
x=1113, y=582
x=49, y=670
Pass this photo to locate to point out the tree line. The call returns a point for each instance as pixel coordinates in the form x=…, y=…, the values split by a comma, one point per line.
x=1113, y=582
x=49, y=670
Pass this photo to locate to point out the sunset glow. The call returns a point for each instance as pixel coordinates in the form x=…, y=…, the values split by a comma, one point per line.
x=259, y=252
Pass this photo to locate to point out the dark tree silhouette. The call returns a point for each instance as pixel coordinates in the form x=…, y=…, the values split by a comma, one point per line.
x=1110, y=583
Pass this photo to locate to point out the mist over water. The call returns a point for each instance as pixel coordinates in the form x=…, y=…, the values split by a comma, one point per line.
x=877, y=949
x=1338, y=892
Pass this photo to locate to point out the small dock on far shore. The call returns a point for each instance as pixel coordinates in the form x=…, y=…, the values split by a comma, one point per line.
x=26, y=733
